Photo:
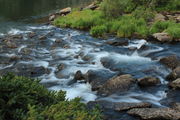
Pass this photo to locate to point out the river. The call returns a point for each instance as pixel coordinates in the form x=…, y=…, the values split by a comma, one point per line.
x=53, y=57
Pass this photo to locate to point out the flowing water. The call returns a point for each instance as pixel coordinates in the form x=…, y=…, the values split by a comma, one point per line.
x=56, y=63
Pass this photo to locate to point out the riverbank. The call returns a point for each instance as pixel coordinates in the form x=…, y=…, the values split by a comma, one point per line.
x=148, y=23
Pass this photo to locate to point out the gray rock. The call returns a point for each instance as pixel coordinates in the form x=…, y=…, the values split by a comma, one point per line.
x=163, y=37
x=79, y=76
x=65, y=11
x=117, y=84
x=155, y=113
x=118, y=42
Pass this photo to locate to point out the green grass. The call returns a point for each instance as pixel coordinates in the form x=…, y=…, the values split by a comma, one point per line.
x=170, y=27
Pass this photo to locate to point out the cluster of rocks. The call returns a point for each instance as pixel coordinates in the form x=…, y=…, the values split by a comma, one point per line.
x=164, y=36
x=173, y=62
x=65, y=11
x=142, y=110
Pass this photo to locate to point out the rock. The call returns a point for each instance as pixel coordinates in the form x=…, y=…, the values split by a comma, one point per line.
x=121, y=42
x=16, y=36
x=128, y=106
x=61, y=67
x=79, y=76
x=26, y=51
x=92, y=6
x=159, y=17
x=174, y=74
x=176, y=106
x=117, y=84
x=178, y=18
x=162, y=37
x=148, y=81
x=118, y=106
x=65, y=11
x=175, y=84
x=52, y=17
x=43, y=37
x=11, y=44
x=58, y=41
x=32, y=34
x=97, y=78
x=155, y=113
x=170, y=61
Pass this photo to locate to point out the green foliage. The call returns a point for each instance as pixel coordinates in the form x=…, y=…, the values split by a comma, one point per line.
x=170, y=27
x=81, y=19
x=115, y=8
x=21, y=96
x=98, y=31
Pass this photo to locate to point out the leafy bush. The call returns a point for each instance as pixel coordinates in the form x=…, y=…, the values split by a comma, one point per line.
x=115, y=8
x=98, y=31
x=18, y=94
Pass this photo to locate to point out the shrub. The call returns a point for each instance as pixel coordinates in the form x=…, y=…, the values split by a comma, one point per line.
x=98, y=31
x=19, y=93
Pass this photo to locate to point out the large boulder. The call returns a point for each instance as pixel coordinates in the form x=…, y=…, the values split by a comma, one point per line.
x=175, y=84
x=170, y=61
x=174, y=74
x=65, y=11
x=155, y=113
x=162, y=37
x=117, y=84
x=97, y=78
x=148, y=81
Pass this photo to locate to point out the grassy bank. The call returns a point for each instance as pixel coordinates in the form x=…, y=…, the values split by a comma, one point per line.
x=124, y=18
x=25, y=99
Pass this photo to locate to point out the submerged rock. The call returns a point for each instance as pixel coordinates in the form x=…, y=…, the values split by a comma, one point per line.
x=32, y=34
x=170, y=61
x=155, y=113
x=119, y=42
x=117, y=84
x=175, y=84
x=163, y=37
x=148, y=81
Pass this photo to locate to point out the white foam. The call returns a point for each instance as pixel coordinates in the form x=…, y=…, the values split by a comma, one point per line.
x=40, y=27
x=137, y=44
x=37, y=63
x=21, y=47
x=14, y=31
x=78, y=90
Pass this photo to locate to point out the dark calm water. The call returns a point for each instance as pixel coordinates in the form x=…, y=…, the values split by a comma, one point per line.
x=13, y=10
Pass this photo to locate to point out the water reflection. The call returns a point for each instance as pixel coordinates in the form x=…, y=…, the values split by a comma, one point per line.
x=17, y=9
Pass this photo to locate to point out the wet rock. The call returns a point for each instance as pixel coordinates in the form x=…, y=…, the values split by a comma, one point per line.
x=16, y=36
x=65, y=11
x=31, y=34
x=43, y=37
x=175, y=84
x=14, y=58
x=155, y=113
x=117, y=84
x=174, y=74
x=11, y=44
x=170, y=61
x=119, y=42
x=58, y=40
x=148, y=81
x=26, y=51
x=97, y=78
x=127, y=106
x=61, y=67
x=163, y=37
x=118, y=106
x=79, y=76
x=176, y=106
